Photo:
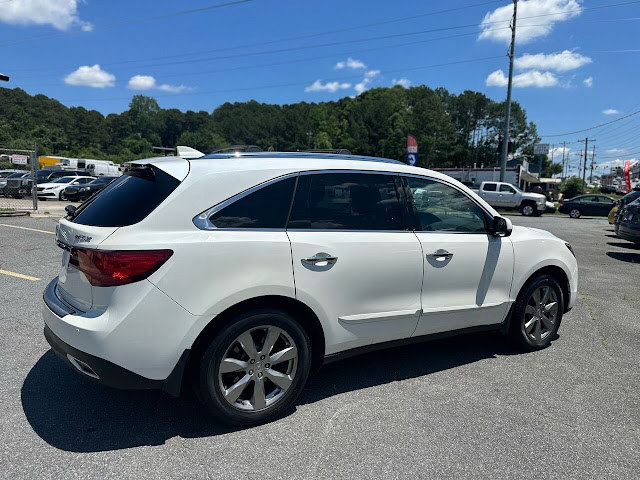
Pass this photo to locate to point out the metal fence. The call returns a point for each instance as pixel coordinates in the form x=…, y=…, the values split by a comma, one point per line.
x=18, y=189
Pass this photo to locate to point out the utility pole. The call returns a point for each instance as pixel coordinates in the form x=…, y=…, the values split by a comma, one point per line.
x=584, y=164
x=593, y=156
x=563, y=152
x=505, y=136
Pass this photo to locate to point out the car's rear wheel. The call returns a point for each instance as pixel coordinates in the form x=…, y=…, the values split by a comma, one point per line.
x=537, y=313
x=575, y=213
x=528, y=210
x=255, y=368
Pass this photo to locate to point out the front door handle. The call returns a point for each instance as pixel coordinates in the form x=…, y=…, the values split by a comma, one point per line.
x=440, y=254
x=321, y=259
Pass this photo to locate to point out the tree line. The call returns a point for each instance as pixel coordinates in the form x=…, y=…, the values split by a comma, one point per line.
x=452, y=130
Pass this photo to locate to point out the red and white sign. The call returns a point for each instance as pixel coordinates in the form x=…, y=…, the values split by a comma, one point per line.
x=627, y=175
x=412, y=150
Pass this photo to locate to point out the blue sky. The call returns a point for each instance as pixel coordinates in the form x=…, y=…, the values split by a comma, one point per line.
x=98, y=54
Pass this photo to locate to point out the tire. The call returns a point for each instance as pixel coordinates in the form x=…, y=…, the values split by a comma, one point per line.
x=537, y=314
x=62, y=197
x=575, y=213
x=528, y=210
x=251, y=396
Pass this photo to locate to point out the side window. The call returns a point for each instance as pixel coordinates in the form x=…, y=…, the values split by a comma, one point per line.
x=506, y=189
x=441, y=208
x=266, y=207
x=489, y=187
x=346, y=201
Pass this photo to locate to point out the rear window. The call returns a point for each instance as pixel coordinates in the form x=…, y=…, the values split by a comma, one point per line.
x=127, y=200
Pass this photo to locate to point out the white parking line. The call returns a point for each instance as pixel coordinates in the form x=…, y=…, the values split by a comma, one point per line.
x=27, y=228
x=19, y=275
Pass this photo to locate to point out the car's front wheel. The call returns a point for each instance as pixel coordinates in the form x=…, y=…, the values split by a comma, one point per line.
x=255, y=368
x=528, y=210
x=537, y=313
x=575, y=213
x=62, y=197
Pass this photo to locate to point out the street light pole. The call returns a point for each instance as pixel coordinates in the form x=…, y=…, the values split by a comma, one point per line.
x=505, y=136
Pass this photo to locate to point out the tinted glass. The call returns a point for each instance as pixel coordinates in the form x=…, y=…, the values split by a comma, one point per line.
x=346, y=201
x=441, y=208
x=507, y=189
x=267, y=207
x=128, y=200
x=489, y=187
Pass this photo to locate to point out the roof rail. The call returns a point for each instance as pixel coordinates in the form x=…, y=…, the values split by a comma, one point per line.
x=301, y=155
x=337, y=151
x=238, y=148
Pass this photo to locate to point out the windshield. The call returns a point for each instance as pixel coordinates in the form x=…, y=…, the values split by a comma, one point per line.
x=64, y=180
x=17, y=175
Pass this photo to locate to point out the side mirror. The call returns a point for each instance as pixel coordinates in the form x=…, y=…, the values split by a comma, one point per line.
x=70, y=209
x=502, y=227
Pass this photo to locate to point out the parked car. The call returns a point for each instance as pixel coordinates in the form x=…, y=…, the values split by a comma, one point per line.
x=17, y=185
x=620, y=204
x=246, y=271
x=3, y=178
x=551, y=207
x=55, y=190
x=77, y=193
x=594, y=205
x=506, y=196
x=628, y=222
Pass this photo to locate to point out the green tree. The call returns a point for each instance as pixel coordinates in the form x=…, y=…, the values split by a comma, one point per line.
x=572, y=187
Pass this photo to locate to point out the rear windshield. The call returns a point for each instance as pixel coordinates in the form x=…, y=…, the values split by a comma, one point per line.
x=127, y=200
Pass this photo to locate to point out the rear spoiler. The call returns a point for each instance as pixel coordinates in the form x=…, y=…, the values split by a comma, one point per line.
x=177, y=167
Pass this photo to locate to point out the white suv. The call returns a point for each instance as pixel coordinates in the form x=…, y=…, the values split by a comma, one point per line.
x=248, y=271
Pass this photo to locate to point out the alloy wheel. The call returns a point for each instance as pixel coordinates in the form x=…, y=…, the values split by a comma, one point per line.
x=527, y=210
x=575, y=213
x=258, y=368
x=541, y=314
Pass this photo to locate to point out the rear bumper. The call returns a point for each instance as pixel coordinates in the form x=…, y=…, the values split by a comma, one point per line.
x=134, y=351
x=628, y=232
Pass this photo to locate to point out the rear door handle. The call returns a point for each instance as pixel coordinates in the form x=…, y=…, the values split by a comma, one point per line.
x=440, y=254
x=320, y=259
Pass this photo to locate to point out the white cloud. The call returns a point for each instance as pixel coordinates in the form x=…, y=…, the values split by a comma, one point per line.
x=528, y=28
x=615, y=151
x=404, y=82
x=557, y=153
x=318, y=86
x=588, y=82
x=534, y=78
x=350, y=63
x=173, y=88
x=141, y=82
x=559, y=62
x=60, y=14
x=610, y=111
x=87, y=76
x=615, y=163
x=368, y=77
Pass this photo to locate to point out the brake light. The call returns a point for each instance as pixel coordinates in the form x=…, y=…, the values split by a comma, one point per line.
x=110, y=268
x=562, y=202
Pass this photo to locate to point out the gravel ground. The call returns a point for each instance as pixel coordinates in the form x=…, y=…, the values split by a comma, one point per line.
x=464, y=407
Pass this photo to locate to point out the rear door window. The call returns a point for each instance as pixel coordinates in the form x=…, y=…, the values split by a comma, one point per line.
x=127, y=200
x=267, y=207
x=489, y=187
x=346, y=201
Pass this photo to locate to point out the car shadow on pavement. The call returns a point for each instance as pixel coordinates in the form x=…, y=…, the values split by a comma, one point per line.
x=625, y=256
x=629, y=245
x=74, y=414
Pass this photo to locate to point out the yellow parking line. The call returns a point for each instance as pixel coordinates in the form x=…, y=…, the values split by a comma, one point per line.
x=27, y=228
x=19, y=275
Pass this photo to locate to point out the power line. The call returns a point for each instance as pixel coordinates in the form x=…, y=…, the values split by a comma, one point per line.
x=305, y=83
x=591, y=128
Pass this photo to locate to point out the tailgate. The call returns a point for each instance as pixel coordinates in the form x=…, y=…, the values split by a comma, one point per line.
x=73, y=286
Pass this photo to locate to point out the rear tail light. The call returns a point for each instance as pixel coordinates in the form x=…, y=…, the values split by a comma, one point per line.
x=562, y=202
x=110, y=268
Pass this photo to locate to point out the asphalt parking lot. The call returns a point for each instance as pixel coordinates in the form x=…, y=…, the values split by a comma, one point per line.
x=464, y=407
